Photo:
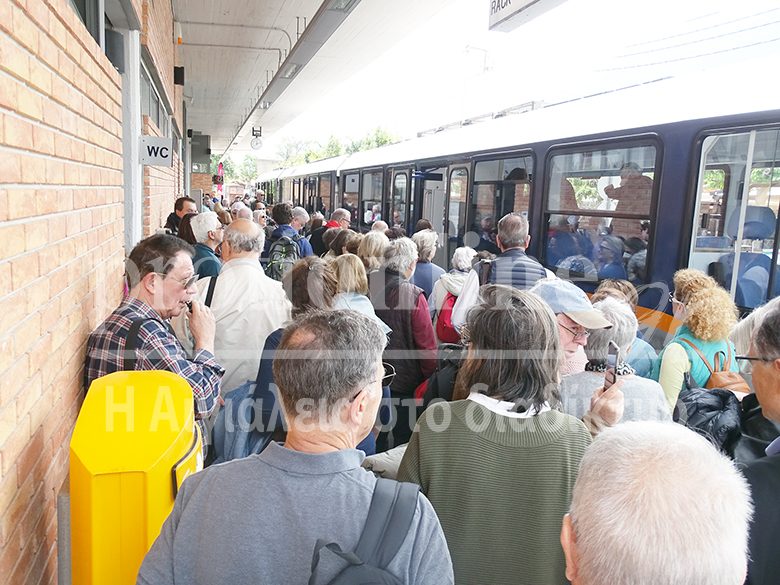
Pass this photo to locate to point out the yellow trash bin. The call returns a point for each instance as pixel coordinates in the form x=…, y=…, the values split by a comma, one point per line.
x=134, y=443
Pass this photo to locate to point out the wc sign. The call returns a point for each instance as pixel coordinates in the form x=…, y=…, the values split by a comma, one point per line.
x=156, y=151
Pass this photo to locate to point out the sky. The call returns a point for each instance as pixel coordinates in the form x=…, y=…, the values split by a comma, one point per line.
x=454, y=68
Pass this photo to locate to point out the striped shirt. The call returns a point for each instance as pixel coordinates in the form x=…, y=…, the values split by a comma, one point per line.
x=157, y=349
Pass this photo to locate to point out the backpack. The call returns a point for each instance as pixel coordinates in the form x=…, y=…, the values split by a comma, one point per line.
x=720, y=376
x=387, y=525
x=283, y=253
x=445, y=330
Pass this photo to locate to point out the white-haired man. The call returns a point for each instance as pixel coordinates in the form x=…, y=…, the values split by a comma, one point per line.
x=208, y=232
x=764, y=474
x=656, y=504
x=265, y=515
x=247, y=305
x=340, y=218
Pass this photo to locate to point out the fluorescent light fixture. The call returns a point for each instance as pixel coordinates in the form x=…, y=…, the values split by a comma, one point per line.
x=342, y=5
x=290, y=70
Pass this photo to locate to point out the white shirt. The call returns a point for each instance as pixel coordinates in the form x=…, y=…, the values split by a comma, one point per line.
x=505, y=408
x=247, y=307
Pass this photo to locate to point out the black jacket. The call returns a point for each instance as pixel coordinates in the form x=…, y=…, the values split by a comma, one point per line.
x=764, y=478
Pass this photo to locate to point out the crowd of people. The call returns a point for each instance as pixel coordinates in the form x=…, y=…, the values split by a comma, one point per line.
x=548, y=440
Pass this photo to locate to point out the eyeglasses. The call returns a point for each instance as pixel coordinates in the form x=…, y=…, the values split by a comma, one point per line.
x=386, y=380
x=576, y=334
x=186, y=283
x=747, y=366
x=673, y=299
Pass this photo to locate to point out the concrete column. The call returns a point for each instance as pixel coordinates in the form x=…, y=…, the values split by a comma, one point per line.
x=131, y=138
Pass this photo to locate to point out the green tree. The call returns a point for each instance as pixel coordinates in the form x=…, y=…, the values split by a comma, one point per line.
x=293, y=152
x=228, y=168
x=247, y=170
x=333, y=148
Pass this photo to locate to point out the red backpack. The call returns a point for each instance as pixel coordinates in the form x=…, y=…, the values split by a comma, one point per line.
x=445, y=331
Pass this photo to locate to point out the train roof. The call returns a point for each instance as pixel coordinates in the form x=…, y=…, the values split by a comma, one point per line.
x=650, y=104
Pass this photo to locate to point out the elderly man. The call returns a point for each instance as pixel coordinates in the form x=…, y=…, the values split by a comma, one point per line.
x=764, y=474
x=655, y=503
x=181, y=207
x=412, y=348
x=338, y=219
x=162, y=283
x=208, y=232
x=265, y=514
x=290, y=221
x=247, y=305
x=512, y=267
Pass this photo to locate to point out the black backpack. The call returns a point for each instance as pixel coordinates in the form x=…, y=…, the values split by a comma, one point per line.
x=389, y=518
x=283, y=253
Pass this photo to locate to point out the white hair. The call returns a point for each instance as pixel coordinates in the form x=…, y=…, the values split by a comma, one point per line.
x=202, y=224
x=462, y=257
x=341, y=213
x=301, y=214
x=379, y=226
x=426, y=241
x=743, y=331
x=400, y=254
x=655, y=503
x=622, y=332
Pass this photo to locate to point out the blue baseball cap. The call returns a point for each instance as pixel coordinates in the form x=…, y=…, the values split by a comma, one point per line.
x=565, y=297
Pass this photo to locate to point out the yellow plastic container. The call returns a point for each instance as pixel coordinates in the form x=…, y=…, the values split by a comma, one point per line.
x=134, y=442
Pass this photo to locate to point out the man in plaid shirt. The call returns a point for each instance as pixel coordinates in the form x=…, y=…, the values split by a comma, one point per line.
x=162, y=283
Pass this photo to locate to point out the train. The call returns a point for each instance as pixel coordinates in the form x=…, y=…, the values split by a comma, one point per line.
x=678, y=173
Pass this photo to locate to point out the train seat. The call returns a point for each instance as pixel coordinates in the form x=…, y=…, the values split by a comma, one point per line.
x=754, y=267
x=717, y=242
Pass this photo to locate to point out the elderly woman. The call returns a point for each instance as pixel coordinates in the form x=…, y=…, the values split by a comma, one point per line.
x=426, y=273
x=412, y=347
x=499, y=466
x=450, y=283
x=372, y=250
x=353, y=288
x=610, y=255
x=708, y=315
x=644, y=399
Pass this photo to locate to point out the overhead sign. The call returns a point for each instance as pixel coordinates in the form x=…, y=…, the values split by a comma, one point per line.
x=507, y=15
x=156, y=151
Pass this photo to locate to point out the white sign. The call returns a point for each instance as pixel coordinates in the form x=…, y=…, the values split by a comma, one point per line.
x=156, y=151
x=506, y=15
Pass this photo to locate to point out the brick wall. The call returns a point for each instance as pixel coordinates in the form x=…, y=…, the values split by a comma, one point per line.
x=61, y=218
x=162, y=185
x=201, y=181
x=157, y=37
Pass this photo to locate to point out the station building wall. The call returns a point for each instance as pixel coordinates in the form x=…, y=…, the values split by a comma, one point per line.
x=61, y=258
x=201, y=181
x=162, y=185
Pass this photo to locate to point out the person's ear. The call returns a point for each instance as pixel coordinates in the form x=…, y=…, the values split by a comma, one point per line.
x=569, y=544
x=776, y=366
x=527, y=240
x=358, y=407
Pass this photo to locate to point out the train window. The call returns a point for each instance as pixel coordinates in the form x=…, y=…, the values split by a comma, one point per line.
x=371, y=198
x=500, y=186
x=598, y=210
x=398, y=203
x=737, y=204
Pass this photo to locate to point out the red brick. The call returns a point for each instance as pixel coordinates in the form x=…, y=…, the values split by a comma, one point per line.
x=30, y=104
x=13, y=240
x=25, y=30
x=10, y=450
x=11, y=554
x=39, y=13
x=34, y=172
x=13, y=58
x=36, y=234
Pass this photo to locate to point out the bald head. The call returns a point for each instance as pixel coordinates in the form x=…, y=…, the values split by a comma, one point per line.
x=244, y=239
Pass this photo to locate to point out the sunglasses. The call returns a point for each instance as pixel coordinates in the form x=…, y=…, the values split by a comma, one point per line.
x=186, y=283
x=386, y=380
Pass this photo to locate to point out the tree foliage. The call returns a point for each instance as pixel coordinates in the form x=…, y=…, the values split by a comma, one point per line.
x=296, y=152
x=228, y=168
x=247, y=170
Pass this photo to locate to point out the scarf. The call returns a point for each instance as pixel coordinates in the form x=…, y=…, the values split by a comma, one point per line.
x=622, y=369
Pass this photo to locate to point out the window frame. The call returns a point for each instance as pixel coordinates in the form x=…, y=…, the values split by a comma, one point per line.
x=619, y=142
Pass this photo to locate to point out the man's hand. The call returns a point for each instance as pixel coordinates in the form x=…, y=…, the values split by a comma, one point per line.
x=202, y=326
x=608, y=404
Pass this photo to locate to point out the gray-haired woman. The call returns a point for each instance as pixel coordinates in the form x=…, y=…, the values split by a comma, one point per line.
x=643, y=398
x=500, y=465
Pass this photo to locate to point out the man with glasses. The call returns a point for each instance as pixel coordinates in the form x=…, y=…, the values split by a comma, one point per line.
x=265, y=515
x=576, y=317
x=764, y=474
x=161, y=280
